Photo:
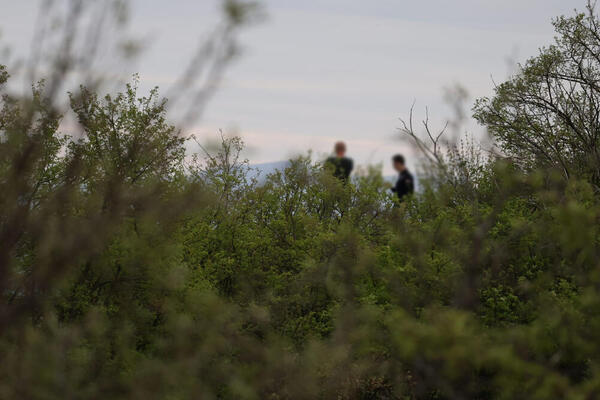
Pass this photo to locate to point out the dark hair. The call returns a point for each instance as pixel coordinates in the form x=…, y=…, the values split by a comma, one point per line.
x=398, y=158
x=340, y=146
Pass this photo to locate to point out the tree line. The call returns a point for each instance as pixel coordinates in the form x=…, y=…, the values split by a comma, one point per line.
x=130, y=270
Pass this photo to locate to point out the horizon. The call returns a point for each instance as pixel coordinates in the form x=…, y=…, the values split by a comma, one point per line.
x=290, y=93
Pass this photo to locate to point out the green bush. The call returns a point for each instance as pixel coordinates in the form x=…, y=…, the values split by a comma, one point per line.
x=130, y=271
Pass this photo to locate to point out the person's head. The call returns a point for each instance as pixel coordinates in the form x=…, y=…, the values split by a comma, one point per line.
x=399, y=163
x=340, y=149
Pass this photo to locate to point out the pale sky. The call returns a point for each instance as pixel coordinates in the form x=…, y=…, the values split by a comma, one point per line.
x=317, y=71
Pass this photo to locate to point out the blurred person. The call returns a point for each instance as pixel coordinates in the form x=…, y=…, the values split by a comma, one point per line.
x=405, y=185
x=340, y=165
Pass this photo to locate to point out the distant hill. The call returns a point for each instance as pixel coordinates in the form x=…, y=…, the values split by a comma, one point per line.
x=261, y=171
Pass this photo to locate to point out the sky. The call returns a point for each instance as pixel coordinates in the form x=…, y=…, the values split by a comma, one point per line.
x=317, y=71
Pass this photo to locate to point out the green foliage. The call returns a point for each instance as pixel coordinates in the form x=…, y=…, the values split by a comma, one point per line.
x=3, y=75
x=126, y=136
x=130, y=271
x=547, y=114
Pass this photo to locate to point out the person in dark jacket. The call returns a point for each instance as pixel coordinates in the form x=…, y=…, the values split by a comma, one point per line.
x=405, y=185
x=340, y=165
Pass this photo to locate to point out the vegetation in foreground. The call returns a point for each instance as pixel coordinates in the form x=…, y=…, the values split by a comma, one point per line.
x=129, y=271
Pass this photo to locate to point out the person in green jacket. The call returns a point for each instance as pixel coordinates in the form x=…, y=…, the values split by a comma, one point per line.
x=340, y=165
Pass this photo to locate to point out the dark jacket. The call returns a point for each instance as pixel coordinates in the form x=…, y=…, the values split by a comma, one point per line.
x=340, y=167
x=405, y=185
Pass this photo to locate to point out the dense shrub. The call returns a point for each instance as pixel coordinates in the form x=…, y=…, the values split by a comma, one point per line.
x=128, y=270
